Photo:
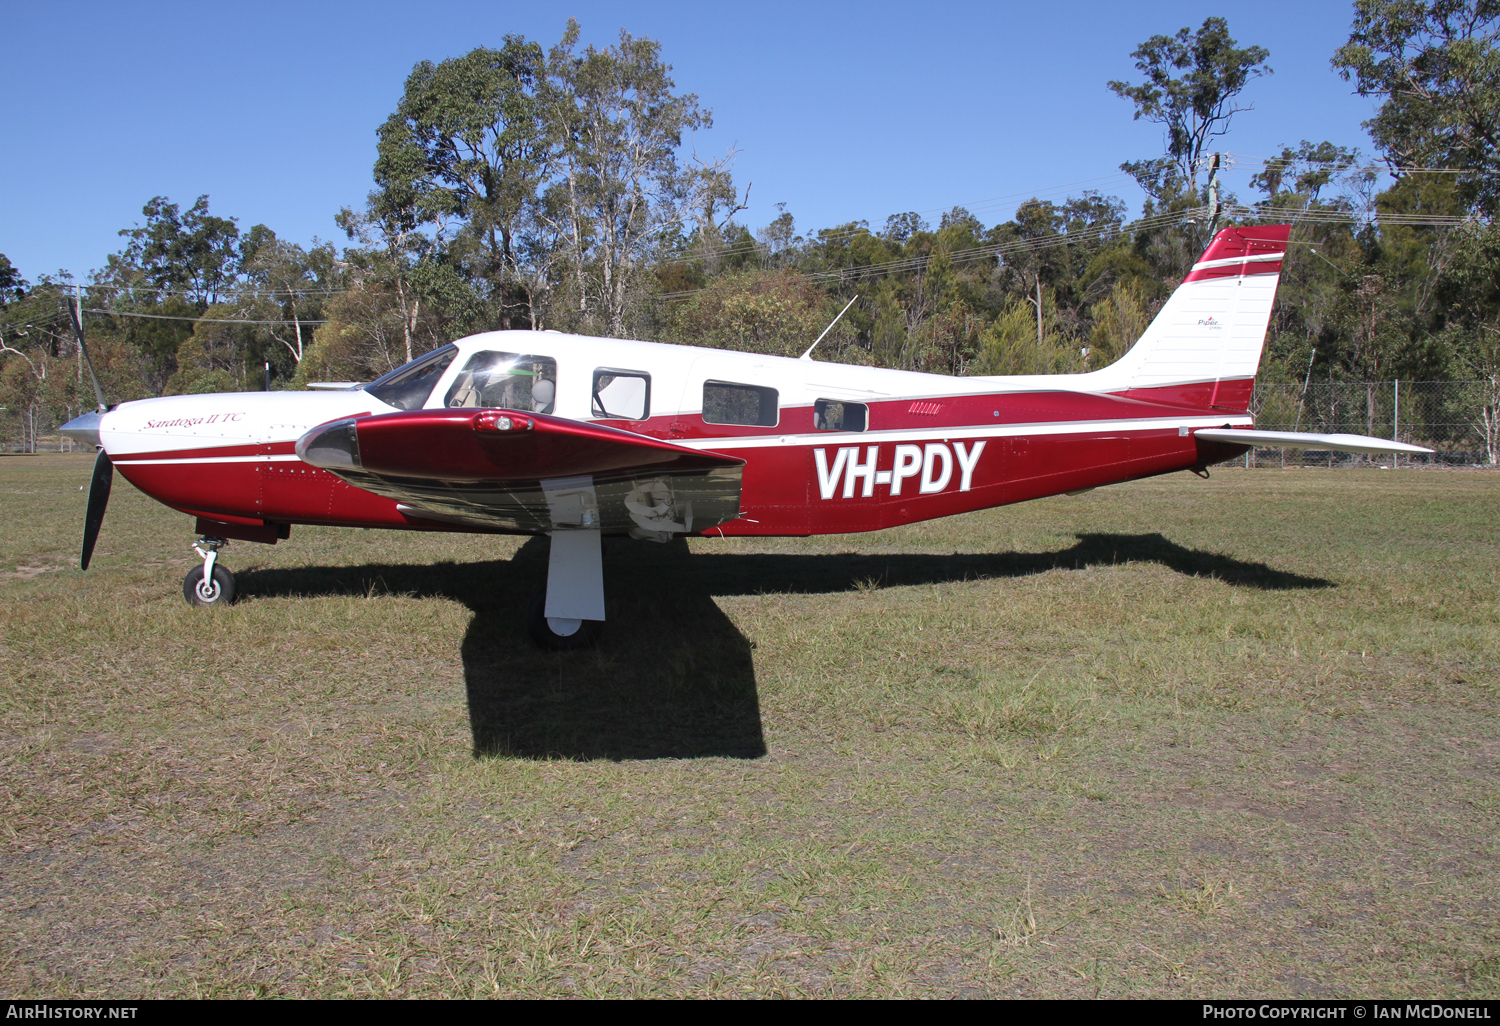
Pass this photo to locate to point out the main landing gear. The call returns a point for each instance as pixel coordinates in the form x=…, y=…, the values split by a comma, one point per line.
x=569, y=614
x=558, y=633
x=213, y=585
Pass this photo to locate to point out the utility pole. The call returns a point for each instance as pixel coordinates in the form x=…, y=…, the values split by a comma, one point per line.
x=1038, y=303
x=1213, y=196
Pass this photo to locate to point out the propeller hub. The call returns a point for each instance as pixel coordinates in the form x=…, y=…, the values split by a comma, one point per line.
x=83, y=428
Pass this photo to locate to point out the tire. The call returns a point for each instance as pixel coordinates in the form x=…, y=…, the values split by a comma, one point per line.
x=219, y=593
x=544, y=630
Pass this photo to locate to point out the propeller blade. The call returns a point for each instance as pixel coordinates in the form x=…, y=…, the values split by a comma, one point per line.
x=76, y=316
x=104, y=477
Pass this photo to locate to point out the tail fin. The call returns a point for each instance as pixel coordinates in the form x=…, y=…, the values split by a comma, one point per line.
x=1203, y=349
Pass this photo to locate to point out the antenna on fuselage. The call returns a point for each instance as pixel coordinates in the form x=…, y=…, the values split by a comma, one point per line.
x=808, y=355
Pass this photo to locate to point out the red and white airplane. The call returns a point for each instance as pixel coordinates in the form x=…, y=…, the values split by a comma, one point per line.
x=537, y=432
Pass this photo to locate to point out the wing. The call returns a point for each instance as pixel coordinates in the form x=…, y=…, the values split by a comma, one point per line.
x=528, y=472
x=1305, y=440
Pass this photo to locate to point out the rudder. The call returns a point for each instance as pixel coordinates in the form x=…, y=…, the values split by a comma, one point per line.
x=1204, y=347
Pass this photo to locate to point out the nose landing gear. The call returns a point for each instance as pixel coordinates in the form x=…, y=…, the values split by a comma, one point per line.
x=213, y=585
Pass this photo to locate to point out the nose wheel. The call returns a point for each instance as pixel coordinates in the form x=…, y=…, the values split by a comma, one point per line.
x=213, y=585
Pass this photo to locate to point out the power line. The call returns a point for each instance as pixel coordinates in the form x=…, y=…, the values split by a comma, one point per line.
x=211, y=320
x=1323, y=215
x=1236, y=158
x=1010, y=246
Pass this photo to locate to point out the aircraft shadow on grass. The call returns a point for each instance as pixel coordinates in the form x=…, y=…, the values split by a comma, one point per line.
x=673, y=677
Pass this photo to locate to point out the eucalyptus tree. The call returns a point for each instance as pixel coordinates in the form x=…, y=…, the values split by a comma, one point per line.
x=1192, y=87
x=192, y=251
x=618, y=125
x=12, y=285
x=1437, y=66
x=467, y=142
x=289, y=284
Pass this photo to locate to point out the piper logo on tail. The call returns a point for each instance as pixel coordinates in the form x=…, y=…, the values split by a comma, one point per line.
x=1210, y=324
x=929, y=467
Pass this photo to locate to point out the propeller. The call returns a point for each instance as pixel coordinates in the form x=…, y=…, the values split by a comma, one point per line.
x=104, y=478
x=86, y=428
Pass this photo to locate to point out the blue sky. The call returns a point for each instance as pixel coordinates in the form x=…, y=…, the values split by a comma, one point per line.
x=841, y=111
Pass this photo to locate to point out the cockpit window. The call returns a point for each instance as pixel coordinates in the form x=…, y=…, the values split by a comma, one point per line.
x=506, y=381
x=408, y=386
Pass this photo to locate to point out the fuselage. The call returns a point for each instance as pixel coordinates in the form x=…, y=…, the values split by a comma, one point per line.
x=828, y=448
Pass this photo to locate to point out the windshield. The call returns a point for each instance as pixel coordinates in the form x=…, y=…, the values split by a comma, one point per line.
x=408, y=386
x=507, y=381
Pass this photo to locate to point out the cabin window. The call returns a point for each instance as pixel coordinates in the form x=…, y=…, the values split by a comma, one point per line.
x=408, y=386
x=837, y=415
x=506, y=381
x=728, y=403
x=621, y=394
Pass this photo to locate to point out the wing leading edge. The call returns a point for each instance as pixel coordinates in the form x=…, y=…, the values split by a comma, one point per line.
x=529, y=472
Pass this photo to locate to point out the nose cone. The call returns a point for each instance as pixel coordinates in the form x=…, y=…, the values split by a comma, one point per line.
x=333, y=446
x=83, y=428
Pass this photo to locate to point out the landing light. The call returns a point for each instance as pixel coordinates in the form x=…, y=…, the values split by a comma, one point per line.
x=331, y=446
x=493, y=420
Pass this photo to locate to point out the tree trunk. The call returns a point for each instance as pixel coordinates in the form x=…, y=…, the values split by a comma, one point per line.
x=406, y=319
x=1039, y=311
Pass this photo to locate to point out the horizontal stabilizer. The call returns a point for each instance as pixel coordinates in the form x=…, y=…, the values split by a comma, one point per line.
x=1306, y=440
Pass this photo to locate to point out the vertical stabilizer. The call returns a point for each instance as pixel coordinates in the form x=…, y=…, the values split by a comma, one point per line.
x=1204, y=347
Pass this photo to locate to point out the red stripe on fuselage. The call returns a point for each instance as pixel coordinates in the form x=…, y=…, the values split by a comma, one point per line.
x=281, y=448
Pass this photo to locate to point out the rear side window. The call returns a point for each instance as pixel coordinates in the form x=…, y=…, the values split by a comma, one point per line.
x=836, y=415
x=408, y=386
x=728, y=403
x=621, y=394
x=506, y=381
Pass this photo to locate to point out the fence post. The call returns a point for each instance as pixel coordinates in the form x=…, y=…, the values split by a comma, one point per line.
x=1396, y=433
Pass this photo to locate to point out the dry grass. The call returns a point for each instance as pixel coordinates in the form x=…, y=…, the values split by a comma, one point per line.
x=1175, y=738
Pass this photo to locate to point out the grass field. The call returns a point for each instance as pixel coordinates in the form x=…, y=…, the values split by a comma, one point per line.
x=1174, y=738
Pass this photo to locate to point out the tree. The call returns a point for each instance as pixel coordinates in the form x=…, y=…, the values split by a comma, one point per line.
x=21, y=385
x=11, y=284
x=1437, y=65
x=467, y=140
x=779, y=312
x=1297, y=177
x=1047, y=245
x=1470, y=290
x=1195, y=106
x=194, y=251
x=295, y=283
x=619, y=125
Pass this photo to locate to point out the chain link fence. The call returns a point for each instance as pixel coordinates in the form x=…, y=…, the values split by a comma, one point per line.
x=1459, y=419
